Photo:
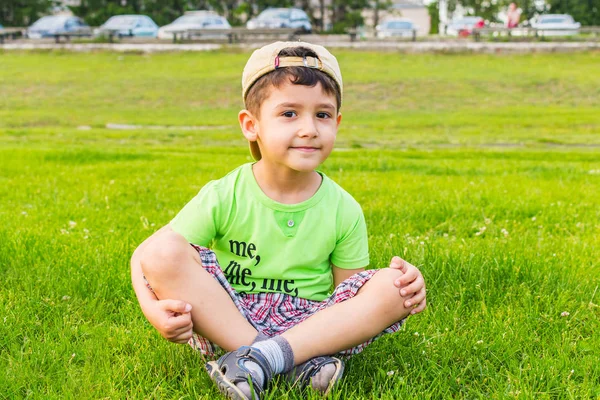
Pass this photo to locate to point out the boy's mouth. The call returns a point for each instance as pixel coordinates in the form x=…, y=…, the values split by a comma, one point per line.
x=307, y=149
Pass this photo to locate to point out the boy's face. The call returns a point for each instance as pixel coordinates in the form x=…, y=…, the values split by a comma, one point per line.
x=296, y=127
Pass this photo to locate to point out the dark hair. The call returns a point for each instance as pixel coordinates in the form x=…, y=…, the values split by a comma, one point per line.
x=259, y=91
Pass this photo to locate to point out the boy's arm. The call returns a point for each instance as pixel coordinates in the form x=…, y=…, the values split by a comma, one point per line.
x=340, y=274
x=171, y=318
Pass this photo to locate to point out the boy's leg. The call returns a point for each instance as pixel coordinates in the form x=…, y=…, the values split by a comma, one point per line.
x=377, y=305
x=174, y=271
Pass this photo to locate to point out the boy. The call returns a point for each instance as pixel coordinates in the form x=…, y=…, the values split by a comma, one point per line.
x=281, y=234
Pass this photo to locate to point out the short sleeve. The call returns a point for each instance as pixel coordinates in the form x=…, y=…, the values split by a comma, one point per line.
x=352, y=247
x=198, y=221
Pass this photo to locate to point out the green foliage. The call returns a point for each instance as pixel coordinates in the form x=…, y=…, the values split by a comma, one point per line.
x=587, y=12
x=351, y=19
x=531, y=8
x=347, y=14
x=23, y=12
x=488, y=183
x=96, y=16
x=434, y=16
x=488, y=10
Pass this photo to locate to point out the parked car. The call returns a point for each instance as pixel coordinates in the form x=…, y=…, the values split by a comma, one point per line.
x=281, y=18
x=195, y=20
x=464, y=26
x=51, y=25
x=556, y=25
x=396, y=27
x=129, y=25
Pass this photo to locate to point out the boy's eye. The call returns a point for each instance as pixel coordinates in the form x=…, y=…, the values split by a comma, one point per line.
x=289, y=114
x=323, y=115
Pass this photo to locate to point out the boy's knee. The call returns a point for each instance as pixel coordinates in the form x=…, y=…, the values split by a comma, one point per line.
x=165, y=255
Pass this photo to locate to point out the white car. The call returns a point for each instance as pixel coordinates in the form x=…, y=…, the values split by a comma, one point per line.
x=281, y=18
x=556, y=25
x=195, y=20
x=396, y=27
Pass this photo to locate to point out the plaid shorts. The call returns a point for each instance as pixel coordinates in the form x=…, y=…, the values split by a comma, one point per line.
x=274, y=313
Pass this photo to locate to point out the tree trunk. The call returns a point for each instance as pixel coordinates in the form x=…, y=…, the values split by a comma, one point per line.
x=322, y=7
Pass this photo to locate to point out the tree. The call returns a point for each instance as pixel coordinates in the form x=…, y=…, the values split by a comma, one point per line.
x=23, y=12
x=482, y=8
x=347, y=14
x=377, y=6
x=587, y=12
x=434, y=15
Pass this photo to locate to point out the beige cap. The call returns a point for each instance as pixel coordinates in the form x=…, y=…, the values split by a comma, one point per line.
x=266, y=59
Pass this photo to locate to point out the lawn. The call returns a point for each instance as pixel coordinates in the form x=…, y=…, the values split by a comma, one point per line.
x=482, y=170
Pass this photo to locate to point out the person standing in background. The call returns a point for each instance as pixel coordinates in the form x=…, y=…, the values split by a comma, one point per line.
x=513, y=16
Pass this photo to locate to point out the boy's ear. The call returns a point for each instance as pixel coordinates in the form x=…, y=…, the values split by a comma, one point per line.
x=338, y=120
x=249, y=125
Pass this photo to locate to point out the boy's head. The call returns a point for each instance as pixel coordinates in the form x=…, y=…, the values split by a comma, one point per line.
x=279, y=63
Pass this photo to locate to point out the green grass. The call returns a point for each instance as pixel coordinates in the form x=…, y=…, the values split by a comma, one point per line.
x=434, y=147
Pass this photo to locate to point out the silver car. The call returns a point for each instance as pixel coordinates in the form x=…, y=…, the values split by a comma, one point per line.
x=556, y=25
x=281, y=18
x=397, y=27
x=51, y=25
x=129, y=25
x=195, y=20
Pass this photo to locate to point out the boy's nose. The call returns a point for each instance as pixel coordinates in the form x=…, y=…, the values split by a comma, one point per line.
x=308, y=128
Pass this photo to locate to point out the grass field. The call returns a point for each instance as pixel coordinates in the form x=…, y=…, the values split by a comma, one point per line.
x=483, y=170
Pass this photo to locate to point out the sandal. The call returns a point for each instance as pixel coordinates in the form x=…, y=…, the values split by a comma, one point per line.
x=302, y=374
x=229, y=370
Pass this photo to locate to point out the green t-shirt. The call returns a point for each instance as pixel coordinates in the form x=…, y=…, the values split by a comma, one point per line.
x=266, y=246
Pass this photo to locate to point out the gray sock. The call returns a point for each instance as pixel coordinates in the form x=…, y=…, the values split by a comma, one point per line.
x=259, y=338
x=279, y=355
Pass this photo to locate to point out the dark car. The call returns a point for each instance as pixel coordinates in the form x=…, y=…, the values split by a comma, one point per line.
x=51, y=25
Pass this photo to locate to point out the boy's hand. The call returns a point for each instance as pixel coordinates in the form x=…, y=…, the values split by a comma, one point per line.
x=172, y=319
x=411, y=285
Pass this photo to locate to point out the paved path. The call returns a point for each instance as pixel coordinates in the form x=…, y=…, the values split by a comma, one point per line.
x=406, y=47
